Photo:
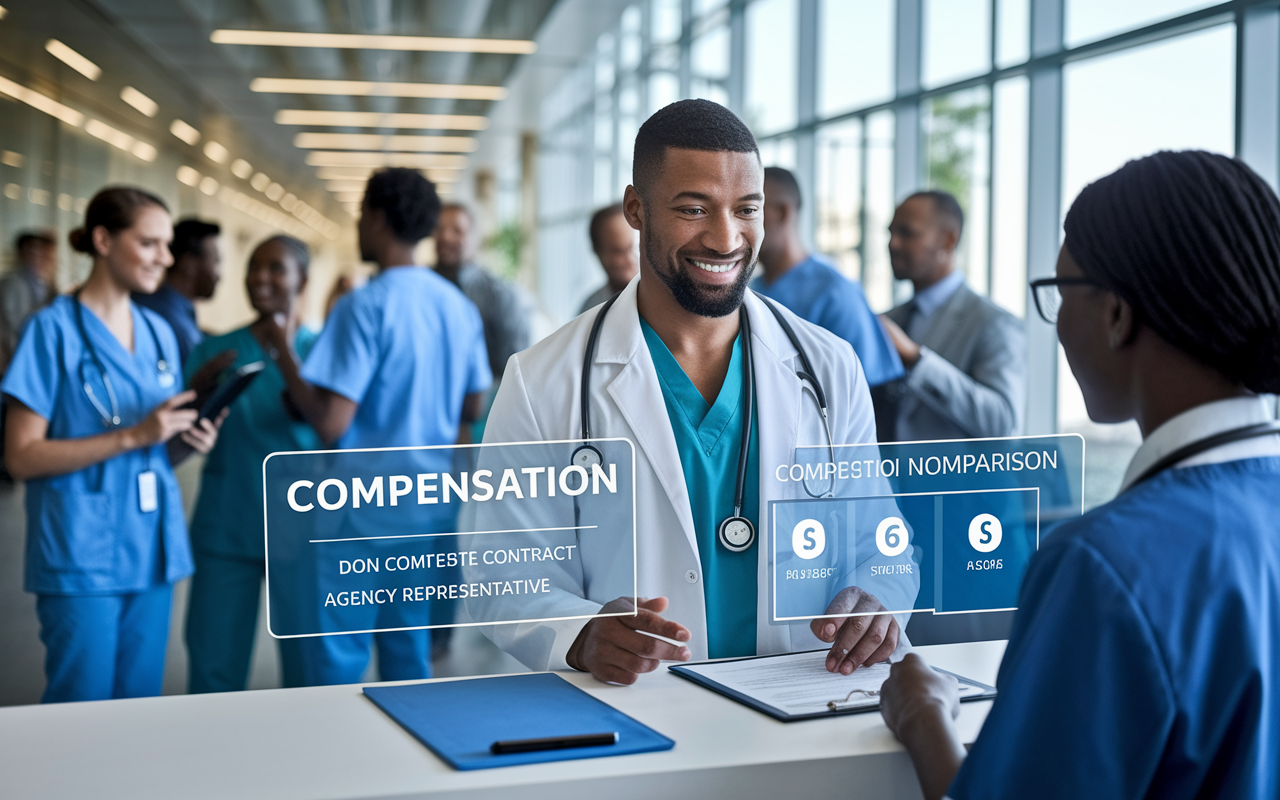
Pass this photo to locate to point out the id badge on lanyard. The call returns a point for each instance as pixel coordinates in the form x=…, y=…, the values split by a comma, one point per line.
x=148, y=492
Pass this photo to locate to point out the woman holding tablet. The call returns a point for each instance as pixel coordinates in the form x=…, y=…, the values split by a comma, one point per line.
x=226, y=529
x=1145, y=654
x=94, y=396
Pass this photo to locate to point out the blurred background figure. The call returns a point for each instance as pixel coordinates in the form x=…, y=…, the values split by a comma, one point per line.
x=94, y=399
x=504, y=309
x=811, y=287
x=197, y=267
x=613, y=241
x=27, y=288
x=227, y=527
x=24, y=290
x=966, y=358
x=400, y=363
x=343, y=285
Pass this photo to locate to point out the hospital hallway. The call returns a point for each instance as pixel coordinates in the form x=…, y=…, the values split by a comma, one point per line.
x=22, y=660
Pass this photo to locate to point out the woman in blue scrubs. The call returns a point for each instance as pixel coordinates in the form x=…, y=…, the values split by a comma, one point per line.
x=94, y=396
x=226, y=530
x=1145, y=654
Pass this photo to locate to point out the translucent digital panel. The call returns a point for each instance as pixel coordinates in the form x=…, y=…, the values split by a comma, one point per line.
x=877, y=274
x=957, y=160
x=629, y=39
x=856, y=54
x=1013, y=31
x=368, y=540
x=665, y=21
x=1087, y=20
x=771, y=65
x=664, y=89
x=1009, y=195
x=1171, y=95
x=957, y=40
x=838, y=207
x=947, y=526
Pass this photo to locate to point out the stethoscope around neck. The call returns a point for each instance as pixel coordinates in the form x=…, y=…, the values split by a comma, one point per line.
x=735, y=533
x=111, y=415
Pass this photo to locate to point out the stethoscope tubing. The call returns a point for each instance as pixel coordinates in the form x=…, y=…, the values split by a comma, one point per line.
x=110, y=417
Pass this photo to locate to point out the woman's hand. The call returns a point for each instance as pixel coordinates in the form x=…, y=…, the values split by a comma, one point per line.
x=274, y=332
x=918, y=704
x=204, y=435
x=167, y=420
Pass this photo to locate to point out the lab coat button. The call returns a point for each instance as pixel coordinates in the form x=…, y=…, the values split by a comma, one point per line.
x=691, y=576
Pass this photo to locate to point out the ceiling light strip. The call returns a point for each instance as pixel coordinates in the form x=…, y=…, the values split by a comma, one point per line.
x=73, y=59
x=373, y=119
x=361, y=41
x=373, y=141
x=438, y=91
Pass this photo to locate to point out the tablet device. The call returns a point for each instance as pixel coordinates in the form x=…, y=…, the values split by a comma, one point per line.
x=230, y=389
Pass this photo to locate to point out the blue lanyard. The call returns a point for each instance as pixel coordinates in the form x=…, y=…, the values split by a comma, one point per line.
x=111, y=416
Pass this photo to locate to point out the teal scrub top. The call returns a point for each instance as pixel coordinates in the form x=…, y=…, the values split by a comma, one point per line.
x=228, y=517
x=709, y=438
x=86, y=531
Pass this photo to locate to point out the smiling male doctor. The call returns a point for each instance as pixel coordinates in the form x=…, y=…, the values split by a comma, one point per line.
x=667, y=374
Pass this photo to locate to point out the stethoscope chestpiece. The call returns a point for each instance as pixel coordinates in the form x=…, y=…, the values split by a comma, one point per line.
x=587, y=456
x=736, y=534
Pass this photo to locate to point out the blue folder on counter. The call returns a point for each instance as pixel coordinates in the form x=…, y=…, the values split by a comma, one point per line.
x=460, y=720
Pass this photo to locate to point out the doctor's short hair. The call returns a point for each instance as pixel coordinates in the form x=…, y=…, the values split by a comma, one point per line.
x=1191, y=241
x=687, y=125
x=407, y=200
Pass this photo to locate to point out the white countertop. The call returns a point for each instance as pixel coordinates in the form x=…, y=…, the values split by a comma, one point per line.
x=330, y=742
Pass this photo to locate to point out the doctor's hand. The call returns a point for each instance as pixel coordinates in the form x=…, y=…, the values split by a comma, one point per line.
x=166, y=421
x=204, y=434
x=614, y=649
x=859, y=640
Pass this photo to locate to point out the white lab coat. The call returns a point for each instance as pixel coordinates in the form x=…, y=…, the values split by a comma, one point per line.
x=539, y=399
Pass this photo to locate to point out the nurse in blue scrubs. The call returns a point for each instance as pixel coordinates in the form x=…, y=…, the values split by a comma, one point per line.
x=226, y=529
x=94, y=397
x=1145, y=654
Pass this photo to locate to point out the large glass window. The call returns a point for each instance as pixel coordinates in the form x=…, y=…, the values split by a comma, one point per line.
x=1009, y=195
x=856, y=54
x=957, y=40
x=1174, y=94
x=838, y=207
x=957, y=160
x=1089, y=20
x=1013, y=31
x=709, y=58
x=771, y=65
x=881, y=201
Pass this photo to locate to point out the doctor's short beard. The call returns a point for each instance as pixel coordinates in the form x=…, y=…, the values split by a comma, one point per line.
x=719, y=301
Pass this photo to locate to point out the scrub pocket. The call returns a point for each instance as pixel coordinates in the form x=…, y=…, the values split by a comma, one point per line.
x=77, y=534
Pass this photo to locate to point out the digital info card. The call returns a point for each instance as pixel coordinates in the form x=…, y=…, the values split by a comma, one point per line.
x=392, y=539
x=945, y=526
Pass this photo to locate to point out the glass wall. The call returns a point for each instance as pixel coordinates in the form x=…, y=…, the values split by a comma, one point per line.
x=945, y=104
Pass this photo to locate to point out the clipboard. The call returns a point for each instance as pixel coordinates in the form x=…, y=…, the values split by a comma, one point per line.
x=460, y=720
x=971, y=690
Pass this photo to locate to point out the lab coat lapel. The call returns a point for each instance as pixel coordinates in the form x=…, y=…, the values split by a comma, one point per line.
x=638, y=396
x=778, y=398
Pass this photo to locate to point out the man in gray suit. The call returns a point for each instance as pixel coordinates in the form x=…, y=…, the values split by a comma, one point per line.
x=965, y=357
x=966, y=362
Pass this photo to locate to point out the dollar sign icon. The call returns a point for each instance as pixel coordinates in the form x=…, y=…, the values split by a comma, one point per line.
x=985, y=533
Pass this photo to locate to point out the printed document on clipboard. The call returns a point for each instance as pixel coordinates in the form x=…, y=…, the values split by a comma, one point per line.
x=795, y=686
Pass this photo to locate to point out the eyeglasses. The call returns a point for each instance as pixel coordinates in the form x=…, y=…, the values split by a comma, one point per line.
x=1049, y=299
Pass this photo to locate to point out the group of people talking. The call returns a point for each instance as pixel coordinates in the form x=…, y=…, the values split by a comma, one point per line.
x=1144, y=659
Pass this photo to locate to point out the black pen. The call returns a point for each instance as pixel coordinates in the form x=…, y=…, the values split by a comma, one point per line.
x=553, y=743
